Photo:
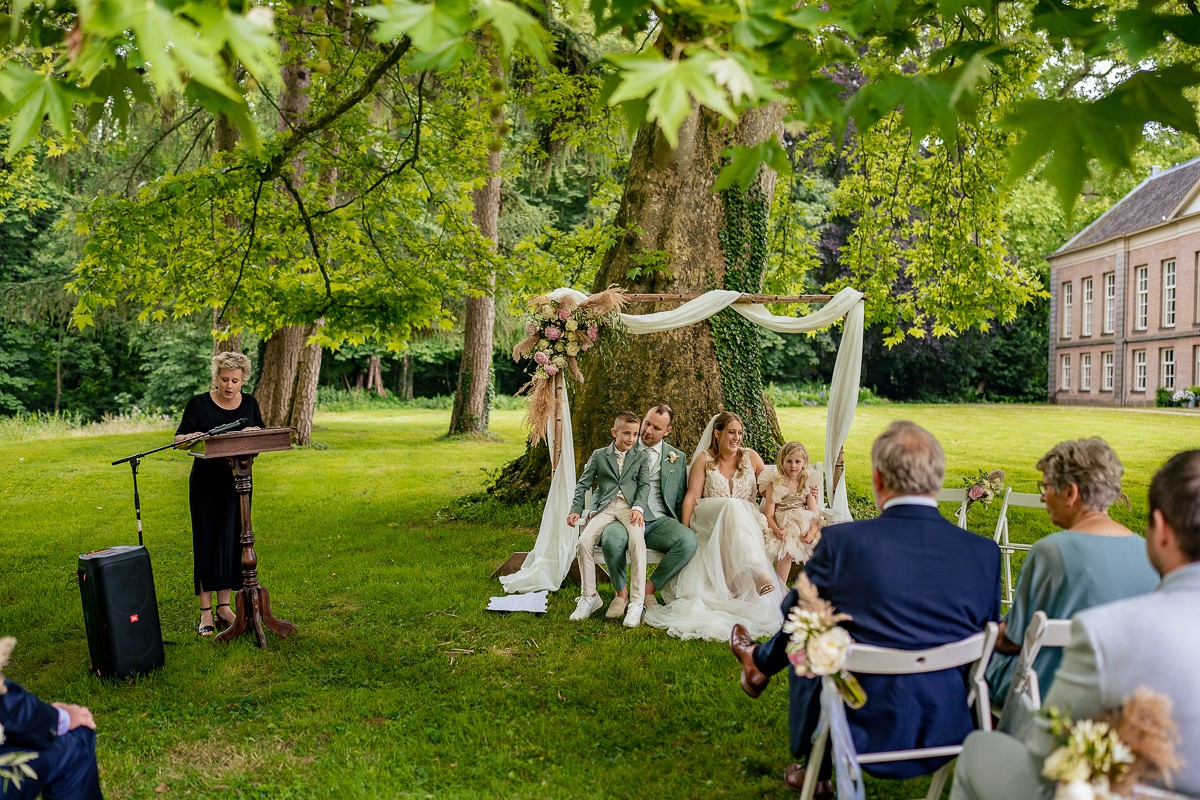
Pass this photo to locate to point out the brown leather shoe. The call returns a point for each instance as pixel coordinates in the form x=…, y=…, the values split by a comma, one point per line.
x=793, y=776
x=753, y=679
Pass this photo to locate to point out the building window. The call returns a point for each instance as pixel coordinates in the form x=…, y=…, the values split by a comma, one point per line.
x=1196, y=284
x=1064, y=381
x=1106, y=366
x=1168, y=303
x=1110, y=299
x=1142, y=303
x=1196, y=365
x=1085, y=372
x=1139, y=370
x=1087, y=306
x=1068, y=299
x=1167, y=375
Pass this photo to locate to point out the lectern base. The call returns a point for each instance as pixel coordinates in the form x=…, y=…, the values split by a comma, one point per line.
x=253, y=612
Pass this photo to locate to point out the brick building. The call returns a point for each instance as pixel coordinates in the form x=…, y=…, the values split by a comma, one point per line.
x=1124, y=308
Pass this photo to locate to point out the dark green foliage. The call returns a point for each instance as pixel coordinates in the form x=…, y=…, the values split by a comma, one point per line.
x=738, y=341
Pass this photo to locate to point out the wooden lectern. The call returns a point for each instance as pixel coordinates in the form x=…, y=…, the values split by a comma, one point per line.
x=253, y=600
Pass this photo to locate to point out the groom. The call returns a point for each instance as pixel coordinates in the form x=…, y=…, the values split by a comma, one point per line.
x=667, y=475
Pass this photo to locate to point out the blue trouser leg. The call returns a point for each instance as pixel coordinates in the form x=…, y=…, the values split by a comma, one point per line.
x=66, y=770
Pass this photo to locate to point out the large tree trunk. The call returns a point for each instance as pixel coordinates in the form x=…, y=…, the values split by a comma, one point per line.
x=287, y=390
x=472, y=399
x=669, y=205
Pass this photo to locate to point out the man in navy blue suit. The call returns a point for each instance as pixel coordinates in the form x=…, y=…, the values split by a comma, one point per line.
x=911, y=580
x=64, y=738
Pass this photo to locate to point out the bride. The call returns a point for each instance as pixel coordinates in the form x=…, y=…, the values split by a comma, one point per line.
x=729, y=580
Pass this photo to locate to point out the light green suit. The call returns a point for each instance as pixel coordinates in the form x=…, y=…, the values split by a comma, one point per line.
x=665, y=534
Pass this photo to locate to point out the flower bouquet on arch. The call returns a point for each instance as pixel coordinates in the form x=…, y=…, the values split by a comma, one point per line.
x=818, y=645
x=1104, y=757
x=984, y=487
x=559, y=329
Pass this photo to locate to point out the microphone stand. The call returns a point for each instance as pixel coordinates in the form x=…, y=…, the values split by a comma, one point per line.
x=135, y=461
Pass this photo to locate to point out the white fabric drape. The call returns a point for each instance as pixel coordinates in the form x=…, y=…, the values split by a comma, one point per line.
x=548, y=562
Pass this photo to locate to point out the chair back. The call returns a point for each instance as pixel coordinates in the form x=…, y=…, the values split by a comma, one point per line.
x=949, y=495
x=871, y=660
x=1025, y=695
x=1000, y=535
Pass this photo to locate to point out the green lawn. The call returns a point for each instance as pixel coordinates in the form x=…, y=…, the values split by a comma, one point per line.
x=397, y=682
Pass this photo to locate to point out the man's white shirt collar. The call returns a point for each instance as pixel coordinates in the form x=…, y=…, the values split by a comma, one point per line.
x=910, y=500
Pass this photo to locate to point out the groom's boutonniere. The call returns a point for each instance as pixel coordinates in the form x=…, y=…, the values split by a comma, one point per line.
x=672, y=456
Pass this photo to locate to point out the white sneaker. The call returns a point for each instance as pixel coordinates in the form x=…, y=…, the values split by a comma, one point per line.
x=633, y=616
x=586, y=606
x=616, y=609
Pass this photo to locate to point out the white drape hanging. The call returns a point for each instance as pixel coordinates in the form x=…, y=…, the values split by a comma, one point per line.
x=548, y=562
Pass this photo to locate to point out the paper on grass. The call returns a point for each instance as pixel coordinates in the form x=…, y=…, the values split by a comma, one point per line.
x=534, y=602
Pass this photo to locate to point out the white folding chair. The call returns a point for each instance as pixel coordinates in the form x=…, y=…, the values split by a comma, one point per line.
x=948, y=495
x=1011, y=500
x=1042, y=632
x=1142, y=791
x=870, y=660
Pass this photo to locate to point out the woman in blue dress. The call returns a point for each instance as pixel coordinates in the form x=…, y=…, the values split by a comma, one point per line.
x=1093, y=560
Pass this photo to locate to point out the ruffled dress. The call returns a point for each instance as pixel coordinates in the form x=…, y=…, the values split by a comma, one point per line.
x=791, y=515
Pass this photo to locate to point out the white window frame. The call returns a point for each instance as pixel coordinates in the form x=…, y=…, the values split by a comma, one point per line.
x=1068, y=301
x=1166, y=364
x=1085, y=372
x=1110, y=300
x=1168, y=293
x=1108, y=365
x=1087, y=307
x=1141, y=303
x=1139, y=370
x=1064, y=378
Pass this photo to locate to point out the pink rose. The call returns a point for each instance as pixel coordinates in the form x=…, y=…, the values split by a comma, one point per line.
x=976, y=492
x=799, y=659
x=552, y=333
x=541, y=357
x=564, y=313
x=531, y=327
x=593, y=332
x=551, y=369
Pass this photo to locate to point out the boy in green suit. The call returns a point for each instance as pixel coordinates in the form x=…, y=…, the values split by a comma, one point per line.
x=617, y=476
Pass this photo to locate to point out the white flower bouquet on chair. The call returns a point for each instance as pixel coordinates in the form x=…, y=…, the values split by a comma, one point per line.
x=14, y=766
x=1102, y=758
x=818, y=645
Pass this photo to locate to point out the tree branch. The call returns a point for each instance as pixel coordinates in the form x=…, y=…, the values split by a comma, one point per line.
x=300, y=133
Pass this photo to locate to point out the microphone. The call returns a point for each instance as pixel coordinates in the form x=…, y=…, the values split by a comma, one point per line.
x=228, y=426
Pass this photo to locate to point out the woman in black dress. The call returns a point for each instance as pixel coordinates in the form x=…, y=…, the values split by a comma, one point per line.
x=216, y=511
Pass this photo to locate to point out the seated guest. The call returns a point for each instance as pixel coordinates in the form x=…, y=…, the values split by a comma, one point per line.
x=1093, y=560
x=1152, y=640
x=911, y=580
x=63, y=738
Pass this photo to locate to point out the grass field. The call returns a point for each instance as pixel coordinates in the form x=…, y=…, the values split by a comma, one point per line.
x=397, y=682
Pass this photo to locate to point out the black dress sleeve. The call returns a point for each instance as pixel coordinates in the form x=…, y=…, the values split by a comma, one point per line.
x=255, y=416
x=191, y=422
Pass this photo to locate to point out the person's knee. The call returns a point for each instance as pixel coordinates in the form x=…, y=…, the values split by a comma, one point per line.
x=687, y=545
x=614, y=539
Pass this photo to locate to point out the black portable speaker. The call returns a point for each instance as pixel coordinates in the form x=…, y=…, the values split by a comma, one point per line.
x=120, y=611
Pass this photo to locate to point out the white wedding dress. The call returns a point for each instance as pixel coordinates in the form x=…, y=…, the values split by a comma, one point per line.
x=720, y=586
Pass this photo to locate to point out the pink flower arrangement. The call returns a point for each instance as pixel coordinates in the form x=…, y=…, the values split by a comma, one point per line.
x=560, y=326
x=983, y=487
x=976, y=492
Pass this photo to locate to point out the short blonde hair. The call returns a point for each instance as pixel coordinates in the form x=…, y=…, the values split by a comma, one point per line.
x=1090, y=464
x=909, y=459
x=230, y=360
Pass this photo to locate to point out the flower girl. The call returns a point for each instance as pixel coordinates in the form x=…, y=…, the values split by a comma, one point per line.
x=792, y=508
